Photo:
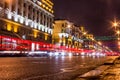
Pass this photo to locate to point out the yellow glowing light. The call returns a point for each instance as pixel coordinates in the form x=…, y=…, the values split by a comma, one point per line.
x=35, y=35
x=119, y=43
x=9, y=27
x=84, y=33
x=46, y=37
x=43, y=5
x=118, y=38
x=48, y=3
x=15, y=28
x=69, y=26
x=47, y=8
x=93, y=39
x=115, y=24
x=35, y=32
x=118, y=32
x=82, y=28
x=60, y=41
x=99, y=43
x=52, y=11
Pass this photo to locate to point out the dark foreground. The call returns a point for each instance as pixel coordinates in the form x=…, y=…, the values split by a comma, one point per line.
x=46, y=68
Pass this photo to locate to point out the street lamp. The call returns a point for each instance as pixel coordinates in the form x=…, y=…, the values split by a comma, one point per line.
x=116, y=25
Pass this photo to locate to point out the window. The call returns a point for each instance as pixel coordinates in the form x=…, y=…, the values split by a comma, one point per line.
x=19, y=12
x=24, y=5
x=6, y=5
x=33, y=14
x=13, y=7
x=41, y=18
x=37, y=16
x=1, y=5
x=62, y=25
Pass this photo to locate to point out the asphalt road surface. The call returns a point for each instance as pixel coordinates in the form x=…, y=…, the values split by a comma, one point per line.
x=46, y=68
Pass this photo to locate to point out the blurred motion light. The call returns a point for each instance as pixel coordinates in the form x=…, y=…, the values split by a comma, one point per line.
x=56, y=53
x=82, y=53
x=70, y=54
x=63, y=54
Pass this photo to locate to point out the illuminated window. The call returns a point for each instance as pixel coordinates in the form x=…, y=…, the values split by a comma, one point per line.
x=9, y=27
x=15, y=29
x=6, y=5
x=35, y=33
x=46, y=37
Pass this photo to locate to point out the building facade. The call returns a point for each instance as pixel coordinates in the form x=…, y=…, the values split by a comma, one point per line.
x=66, y=34
x=30, y=20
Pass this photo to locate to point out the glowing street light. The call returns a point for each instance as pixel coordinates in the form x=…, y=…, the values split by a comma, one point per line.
x=84, y=33
x=118, y=32
x=115, y=24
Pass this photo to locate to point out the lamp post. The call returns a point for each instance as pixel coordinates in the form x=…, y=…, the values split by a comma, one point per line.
x=116, y=25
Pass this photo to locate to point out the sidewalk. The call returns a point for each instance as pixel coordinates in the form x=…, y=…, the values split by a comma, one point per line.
x=110, y=70
x=113, y=72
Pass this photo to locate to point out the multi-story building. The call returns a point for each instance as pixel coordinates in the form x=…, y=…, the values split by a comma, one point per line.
x=66, y=34
x=89, y=42
x=27, y=20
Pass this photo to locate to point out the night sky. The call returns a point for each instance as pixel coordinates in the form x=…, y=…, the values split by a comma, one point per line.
x=95, y=15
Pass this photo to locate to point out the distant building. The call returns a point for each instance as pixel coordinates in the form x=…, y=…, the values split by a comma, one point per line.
x=89, y=42
x=66, y=34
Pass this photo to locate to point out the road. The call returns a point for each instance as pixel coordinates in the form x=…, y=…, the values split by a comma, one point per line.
x=47, y=68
